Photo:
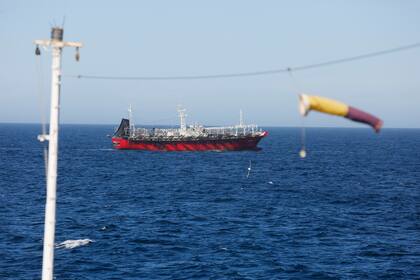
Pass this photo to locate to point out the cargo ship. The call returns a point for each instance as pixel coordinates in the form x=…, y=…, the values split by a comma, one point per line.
x=187, y=138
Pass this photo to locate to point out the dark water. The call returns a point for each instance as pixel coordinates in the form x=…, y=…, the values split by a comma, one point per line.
x=348, y=211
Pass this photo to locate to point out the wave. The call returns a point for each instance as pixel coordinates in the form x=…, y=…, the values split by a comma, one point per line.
x=70, y=244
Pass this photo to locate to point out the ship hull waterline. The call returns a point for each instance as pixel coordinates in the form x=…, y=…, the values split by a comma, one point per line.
x=247, y=143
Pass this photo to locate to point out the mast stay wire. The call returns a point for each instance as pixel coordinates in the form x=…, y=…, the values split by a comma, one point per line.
x=42, y=107
x=298, y=89
x=254, y=73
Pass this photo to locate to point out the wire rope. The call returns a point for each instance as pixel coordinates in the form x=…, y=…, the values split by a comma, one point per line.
x=42, y=108
x=254, y=73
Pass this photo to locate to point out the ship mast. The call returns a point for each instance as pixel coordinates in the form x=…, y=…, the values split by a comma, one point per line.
x=241, y=118
x=56, y=44
x=182, y=119
x=130, y=120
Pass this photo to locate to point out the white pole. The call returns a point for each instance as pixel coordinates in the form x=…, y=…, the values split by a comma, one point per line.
x=49, y=232
x=57, y=45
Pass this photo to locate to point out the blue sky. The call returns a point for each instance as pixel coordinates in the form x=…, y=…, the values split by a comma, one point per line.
x=161, y=38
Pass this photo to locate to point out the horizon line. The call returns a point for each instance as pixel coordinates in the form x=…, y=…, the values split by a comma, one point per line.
x=169, y=125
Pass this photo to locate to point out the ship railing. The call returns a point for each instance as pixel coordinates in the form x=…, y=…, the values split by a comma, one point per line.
x=239, y=130
x=155, y=132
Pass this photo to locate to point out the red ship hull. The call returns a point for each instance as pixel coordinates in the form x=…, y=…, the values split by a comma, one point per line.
x=238, y=144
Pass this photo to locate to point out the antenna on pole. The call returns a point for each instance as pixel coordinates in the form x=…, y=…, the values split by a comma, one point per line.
x=64, y=21
x=56, y=44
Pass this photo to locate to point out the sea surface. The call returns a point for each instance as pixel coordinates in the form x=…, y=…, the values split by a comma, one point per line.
x=350, y=210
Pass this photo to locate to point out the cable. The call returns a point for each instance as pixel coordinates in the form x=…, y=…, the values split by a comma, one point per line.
x=255, y=73
x=42, y=105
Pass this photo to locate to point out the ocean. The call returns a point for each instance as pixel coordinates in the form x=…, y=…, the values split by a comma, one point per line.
x=350, y=210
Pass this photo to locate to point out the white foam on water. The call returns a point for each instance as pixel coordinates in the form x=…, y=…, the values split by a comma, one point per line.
x=70, y=244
